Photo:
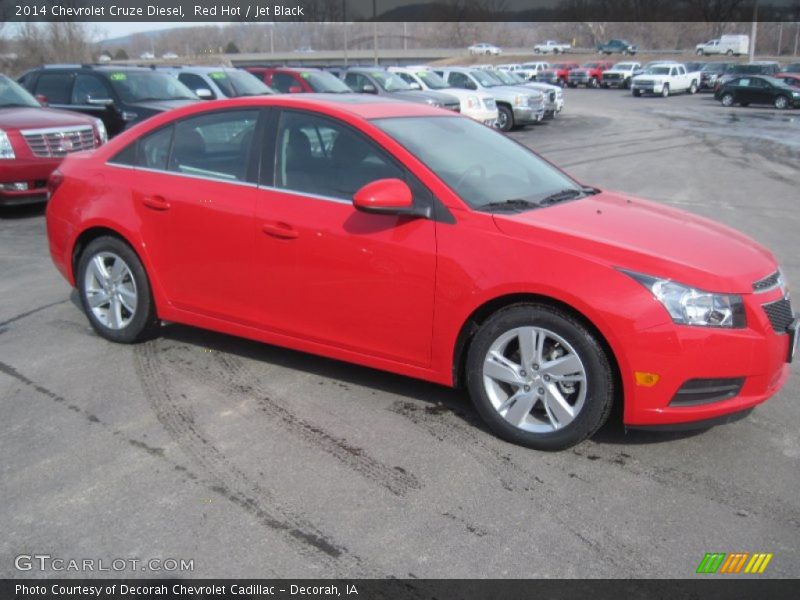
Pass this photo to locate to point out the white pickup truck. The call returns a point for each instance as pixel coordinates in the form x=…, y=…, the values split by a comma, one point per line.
x=665, y=79
x=551, y=46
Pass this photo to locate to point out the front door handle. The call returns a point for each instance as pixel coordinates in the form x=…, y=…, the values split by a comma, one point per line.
x=280, y=230
x=156, y=202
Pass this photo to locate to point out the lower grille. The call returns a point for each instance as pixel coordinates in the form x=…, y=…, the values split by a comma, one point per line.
x=48, y=143
x=704, y=391
x=779, y=314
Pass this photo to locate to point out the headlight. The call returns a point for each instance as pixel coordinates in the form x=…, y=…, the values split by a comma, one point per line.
x=690, y=306
x=472, y=102
x=6, y=150
x=101, y=131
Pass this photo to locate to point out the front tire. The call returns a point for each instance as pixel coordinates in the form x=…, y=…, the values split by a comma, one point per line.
x=700, y=52
x=693, y=88
x=593, y=82
x=539, y=377
x=115, y=292
x=781, y=102
x=665, y=91
x=505, y=118
x=727, y=100
x=636, y=93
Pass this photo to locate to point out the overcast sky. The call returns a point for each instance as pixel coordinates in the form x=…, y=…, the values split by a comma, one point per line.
x=114, y=30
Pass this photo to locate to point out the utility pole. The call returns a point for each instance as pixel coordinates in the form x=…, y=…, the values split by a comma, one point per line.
x=405, y=35
x=780, y=38
x=375, y=32
x=754, y=32
x=344, y=25
x=796, y=38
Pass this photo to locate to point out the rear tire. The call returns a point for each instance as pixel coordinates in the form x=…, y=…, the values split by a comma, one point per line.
x=539, y=377
x=115, y=292
x=729, y=53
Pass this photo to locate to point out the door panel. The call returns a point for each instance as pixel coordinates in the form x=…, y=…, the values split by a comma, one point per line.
x=329, y=273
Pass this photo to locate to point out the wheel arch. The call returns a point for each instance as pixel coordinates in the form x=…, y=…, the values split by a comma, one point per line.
x=490, y=307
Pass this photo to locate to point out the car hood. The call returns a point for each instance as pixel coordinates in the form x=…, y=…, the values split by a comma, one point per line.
x=40, y=118
x=647, y=237
x=423, y=96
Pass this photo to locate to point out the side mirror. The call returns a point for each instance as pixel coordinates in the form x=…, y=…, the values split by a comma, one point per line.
x=369, y=89
x=41, y=99
x=204, y=93
x=388, y=197
x=295, y=89
x=99, y=101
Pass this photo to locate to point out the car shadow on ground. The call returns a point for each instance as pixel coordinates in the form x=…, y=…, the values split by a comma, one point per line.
x=438, y=399
x=25, y=211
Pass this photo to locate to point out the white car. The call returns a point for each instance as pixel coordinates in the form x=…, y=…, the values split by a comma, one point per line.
x=620, y=75
x=475, y=104
x=551, y=46
x=530, y=70
x=484, y=48
x=665, y=79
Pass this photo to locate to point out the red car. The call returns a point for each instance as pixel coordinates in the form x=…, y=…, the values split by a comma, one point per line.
x=406, y=238
x=557, y=74
x=792, y=79
x=33, y=141
x=295, y=81
x=590, y=74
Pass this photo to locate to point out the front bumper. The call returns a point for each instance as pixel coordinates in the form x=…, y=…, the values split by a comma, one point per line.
x=677, y=354
x=648, y=88
x=31, y=171
x=527, y=114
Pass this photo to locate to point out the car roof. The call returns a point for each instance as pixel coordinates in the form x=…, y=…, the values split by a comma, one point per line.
x=196, y=68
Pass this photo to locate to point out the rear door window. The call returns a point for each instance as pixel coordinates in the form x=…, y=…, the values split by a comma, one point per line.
x=56, y=87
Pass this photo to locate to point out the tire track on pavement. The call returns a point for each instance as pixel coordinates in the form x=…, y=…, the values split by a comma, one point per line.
x=229, y=375
x=229, y=481
x=437, y=422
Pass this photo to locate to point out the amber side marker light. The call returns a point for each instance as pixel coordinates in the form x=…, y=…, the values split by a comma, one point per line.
x=646, y=379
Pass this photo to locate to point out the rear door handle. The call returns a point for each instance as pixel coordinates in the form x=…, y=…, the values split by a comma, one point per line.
x=156, y=202
x=280, y=230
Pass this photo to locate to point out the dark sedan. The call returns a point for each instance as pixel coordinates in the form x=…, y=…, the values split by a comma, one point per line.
x=758, y=90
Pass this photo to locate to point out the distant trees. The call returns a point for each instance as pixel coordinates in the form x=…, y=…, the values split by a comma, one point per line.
x=231, y=48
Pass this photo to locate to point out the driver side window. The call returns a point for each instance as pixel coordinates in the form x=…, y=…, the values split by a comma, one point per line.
x=323, y=157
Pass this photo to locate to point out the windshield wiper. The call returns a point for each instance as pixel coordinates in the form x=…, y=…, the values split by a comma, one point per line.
x=566, y=194
x=512, y=204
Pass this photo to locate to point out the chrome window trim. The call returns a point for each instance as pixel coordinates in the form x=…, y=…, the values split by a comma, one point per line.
x=49, y=130
x=249, y=184
x=305, y=194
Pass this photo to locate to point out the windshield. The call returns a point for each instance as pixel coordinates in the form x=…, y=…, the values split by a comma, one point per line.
x=623, y=66
x=482, y=166
x=390, y=82
x=505, y=77
x=144, y=86
x=235, y=83
x=432, y=80
x=13, y=94
x=657, y=71
x=325, y=83
x=484, y=78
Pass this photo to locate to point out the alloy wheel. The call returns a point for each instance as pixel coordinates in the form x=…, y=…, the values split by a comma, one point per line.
x=534, y=379
x=110, y=290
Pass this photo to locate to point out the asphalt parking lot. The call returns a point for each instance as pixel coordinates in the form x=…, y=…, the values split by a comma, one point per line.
x=254, y=461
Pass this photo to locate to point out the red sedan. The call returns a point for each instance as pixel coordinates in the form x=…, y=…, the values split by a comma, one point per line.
x=34, y=140
x=288, y=80
x=409, y=239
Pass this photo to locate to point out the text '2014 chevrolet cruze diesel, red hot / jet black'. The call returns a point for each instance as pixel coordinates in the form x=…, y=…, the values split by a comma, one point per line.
x=406, y=238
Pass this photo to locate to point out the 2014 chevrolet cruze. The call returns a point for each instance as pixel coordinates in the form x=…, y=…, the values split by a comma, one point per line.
x=406, y=238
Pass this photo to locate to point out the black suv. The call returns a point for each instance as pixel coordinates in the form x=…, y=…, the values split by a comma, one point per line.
x=120, y=96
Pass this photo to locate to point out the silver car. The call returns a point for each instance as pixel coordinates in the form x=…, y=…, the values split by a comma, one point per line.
x=516, y=106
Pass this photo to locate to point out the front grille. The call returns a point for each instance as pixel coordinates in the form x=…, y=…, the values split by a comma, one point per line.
x=535, y=102
x=552, y=96
x=612, y=76
x=48, y=143
x=644, y=82
x=768, y=282
x=779, y=314
x=704, y=391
